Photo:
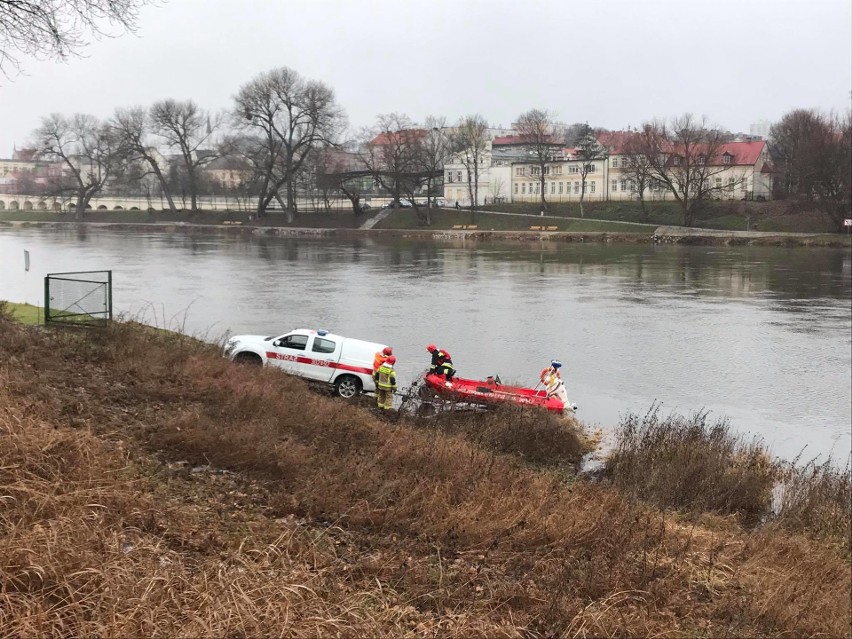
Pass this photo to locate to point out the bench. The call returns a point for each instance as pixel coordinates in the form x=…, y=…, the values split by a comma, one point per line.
x=552, y=228
x=457, y=226
x=535, y=228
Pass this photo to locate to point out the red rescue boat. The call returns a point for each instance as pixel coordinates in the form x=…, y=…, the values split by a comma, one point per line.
x=491, y=391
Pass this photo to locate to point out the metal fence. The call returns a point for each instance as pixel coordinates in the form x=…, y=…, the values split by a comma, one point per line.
x=78, y=298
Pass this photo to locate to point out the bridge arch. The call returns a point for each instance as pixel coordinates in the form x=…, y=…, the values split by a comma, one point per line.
x=2, y=205
x=14, y=206
x=28, y=206
x=70, y=206
x=102, y=207
x=118, y=208
x=42, y=205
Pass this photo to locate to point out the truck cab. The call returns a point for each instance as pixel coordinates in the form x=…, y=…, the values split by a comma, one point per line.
x=343, y=362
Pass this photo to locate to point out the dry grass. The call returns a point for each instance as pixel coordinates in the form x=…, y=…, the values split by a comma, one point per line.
x=690, y=463
x=151, y=488
x=816, y=499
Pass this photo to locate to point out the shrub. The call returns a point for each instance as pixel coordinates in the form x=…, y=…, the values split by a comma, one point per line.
x=690, y=463
x=816, y=499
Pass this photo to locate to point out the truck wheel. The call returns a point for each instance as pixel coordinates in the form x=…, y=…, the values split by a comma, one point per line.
x=347, y=386
x=250, y=359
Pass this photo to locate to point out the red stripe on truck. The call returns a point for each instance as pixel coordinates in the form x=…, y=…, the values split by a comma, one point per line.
x=301, y=359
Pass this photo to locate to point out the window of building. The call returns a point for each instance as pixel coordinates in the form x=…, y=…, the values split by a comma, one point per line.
x=520, y=170
x=458, y=176
x=573, y=169
x=534, y=170
x=516, y=188
x=524, y=188
x=560, y=188
x=731, y=183
x=744, y=185
x=615, y=163
x=718, y=183
x=632, y=186
x=552, y=188
x=701, y=159
x=536, y=187
x=727, y=158
x=615, y=186
x=557, y=170
x=676, y=160
x=590, y=168
x=592, y=186
x=449, y=176
x=576, y=187
x=624, y=185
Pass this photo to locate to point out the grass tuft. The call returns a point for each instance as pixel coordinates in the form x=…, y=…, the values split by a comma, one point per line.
x=691, y=463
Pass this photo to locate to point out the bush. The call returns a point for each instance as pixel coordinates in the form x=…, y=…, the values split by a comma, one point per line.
x=691, y=464
x=535, y=435
x=816, y=500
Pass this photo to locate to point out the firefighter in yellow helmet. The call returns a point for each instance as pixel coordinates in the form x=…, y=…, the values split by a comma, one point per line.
x=385, y=377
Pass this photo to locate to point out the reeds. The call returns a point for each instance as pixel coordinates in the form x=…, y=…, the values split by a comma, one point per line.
x=691, y=463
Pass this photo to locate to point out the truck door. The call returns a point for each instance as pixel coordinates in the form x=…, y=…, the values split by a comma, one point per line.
x=321, y=357
x=288, y=352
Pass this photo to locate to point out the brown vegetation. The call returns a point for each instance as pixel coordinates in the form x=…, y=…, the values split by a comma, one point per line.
x=149, y=487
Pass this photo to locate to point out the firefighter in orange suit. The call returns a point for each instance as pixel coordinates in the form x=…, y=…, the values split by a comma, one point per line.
x=380, y=357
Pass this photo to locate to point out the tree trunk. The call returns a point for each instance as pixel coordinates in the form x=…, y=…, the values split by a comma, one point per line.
x=287, y=211
x=163, y=185
x=543, y=200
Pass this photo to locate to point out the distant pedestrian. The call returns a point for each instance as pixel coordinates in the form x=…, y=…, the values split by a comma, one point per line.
x=458, y=206
x=541, y=211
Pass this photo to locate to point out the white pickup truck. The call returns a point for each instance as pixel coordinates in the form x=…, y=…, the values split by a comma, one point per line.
x=343, y=362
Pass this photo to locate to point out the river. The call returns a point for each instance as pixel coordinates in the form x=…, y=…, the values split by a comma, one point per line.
x=762, y=336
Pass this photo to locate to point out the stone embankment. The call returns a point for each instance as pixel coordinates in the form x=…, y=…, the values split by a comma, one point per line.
x=660, y=235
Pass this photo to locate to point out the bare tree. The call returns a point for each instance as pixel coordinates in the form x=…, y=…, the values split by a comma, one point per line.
x=132, y=126
x=393, y=155
x=833, y=169
x=189, y=130
x=796, y=143
x=536, y=129
x=292, y=116
x=436, y=149
x=470, y=143
x=684, y=156
x=587, y=150
x=90, y=151
x=637, y=167
x=58, y=28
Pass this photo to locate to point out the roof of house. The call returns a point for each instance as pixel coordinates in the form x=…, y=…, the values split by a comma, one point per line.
x=512, y=140
x=742, y=152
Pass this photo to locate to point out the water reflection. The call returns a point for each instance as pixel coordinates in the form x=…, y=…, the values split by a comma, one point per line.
x=759, y=334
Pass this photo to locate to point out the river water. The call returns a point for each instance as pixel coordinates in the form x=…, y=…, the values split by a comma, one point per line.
x=762, y=336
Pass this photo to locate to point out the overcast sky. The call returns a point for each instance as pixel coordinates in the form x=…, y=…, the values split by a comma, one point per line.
x=611, y=63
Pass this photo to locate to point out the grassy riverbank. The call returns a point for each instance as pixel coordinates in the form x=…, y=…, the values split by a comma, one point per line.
x=151, y=487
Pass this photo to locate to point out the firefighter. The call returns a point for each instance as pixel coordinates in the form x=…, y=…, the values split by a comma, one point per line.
x=556, y=388
x=380, y=357
x=442, y=363
x=551, y=371
x=385, y=377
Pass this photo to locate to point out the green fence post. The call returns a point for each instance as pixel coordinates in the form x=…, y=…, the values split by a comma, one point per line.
x=46, y=299
x=109, y=293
